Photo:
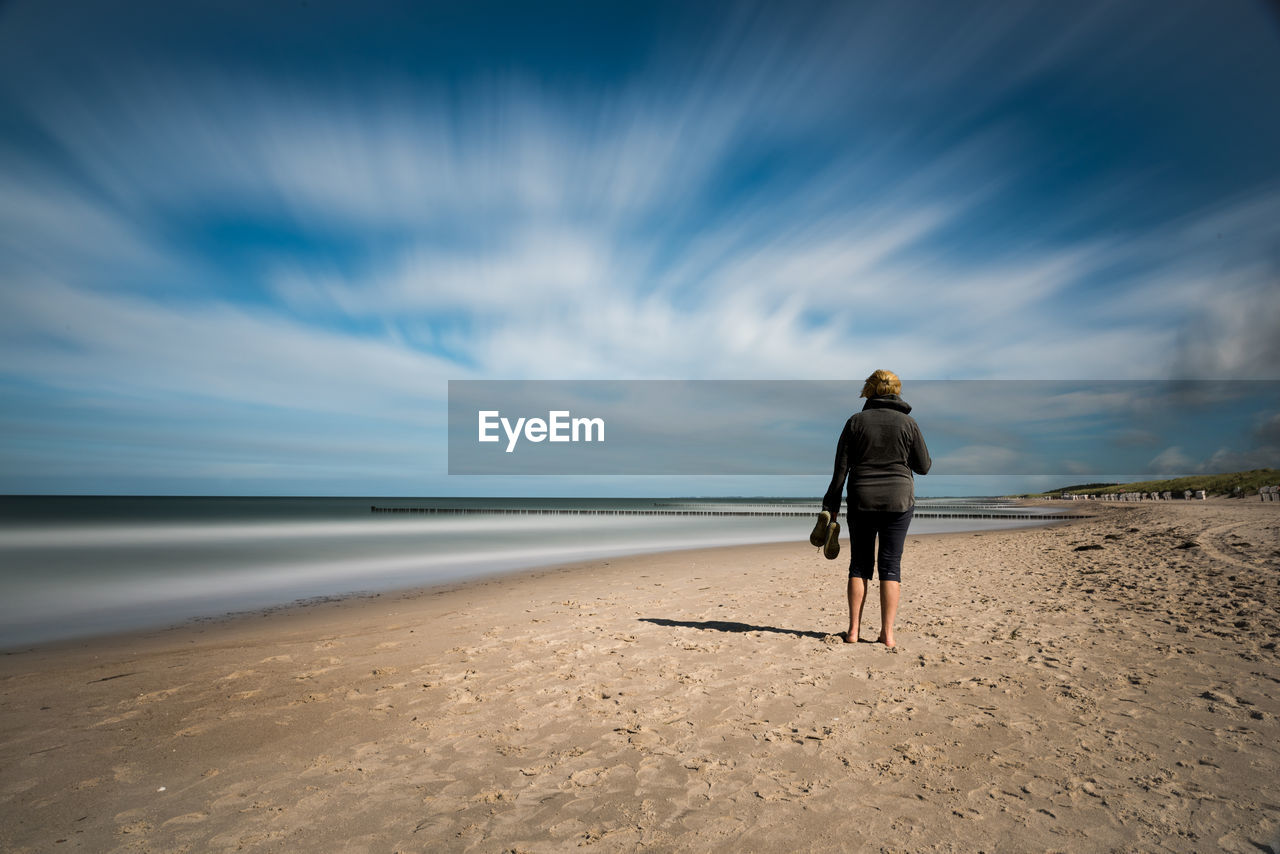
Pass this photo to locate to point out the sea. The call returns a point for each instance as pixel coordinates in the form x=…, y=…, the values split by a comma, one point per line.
x=81, y=566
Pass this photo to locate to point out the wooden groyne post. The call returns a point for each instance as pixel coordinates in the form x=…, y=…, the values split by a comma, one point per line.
x=558, y=511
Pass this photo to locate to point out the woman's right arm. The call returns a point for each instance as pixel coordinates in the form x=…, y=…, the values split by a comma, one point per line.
x=831, y=501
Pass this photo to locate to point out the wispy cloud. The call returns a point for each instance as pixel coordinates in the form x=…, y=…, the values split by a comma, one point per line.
x=806, y=196
x=76, y=339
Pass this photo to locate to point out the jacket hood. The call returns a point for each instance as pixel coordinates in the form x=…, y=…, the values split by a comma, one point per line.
x=887, y=401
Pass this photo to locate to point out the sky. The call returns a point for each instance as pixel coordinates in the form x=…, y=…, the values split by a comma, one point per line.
x=245, y=247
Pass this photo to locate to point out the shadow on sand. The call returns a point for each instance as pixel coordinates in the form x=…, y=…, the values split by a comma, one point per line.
x=726, y=626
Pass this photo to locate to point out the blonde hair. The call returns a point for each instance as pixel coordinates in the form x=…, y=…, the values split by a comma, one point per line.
x=881, y=382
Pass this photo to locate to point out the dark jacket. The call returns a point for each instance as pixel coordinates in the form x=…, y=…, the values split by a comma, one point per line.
x=878, y=450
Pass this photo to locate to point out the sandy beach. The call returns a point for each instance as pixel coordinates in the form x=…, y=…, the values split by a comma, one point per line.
x=1109, y=684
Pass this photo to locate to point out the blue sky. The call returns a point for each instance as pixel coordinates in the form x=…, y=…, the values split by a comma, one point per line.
x=244, y=247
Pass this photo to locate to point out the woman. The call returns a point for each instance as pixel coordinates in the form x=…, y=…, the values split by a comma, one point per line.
x=879, y=448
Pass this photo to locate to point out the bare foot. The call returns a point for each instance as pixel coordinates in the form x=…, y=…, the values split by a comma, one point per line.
x=888, y=642
x=850, y=637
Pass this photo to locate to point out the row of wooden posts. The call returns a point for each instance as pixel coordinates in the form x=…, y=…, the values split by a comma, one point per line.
x=553, y=511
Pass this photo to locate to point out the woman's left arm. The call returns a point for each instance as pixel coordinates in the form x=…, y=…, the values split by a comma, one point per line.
x=919, y=458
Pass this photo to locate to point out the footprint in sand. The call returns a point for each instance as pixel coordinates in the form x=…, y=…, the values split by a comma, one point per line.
x=115, y=719
x=311, y=674
x=155, y=696
x=132, y=827
x=187, y=818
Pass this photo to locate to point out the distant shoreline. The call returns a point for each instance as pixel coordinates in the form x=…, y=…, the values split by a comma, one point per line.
x=89, y=567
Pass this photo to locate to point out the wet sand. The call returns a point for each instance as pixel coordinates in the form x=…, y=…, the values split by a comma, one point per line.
x=1112, y=684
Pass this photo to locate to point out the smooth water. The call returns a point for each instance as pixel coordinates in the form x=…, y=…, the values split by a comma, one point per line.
x=73, y=566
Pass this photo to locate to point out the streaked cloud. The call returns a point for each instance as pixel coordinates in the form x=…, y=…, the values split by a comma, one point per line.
x=762, y=195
